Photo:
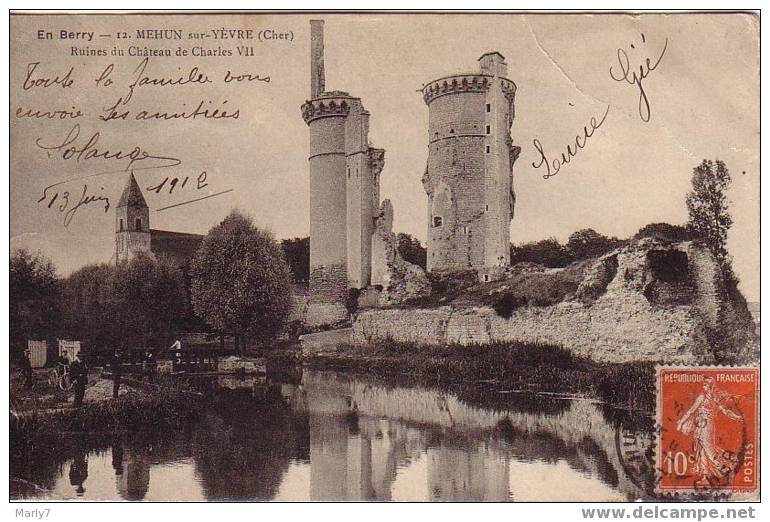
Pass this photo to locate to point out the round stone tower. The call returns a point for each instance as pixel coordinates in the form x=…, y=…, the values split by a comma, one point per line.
x=344, y=192
x=468, y=175
x=326, y=116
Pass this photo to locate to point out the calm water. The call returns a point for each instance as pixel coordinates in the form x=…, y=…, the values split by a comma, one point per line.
x=333, y=437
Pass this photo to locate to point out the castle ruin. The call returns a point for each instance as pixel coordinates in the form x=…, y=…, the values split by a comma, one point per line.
x=344, y=192
x=468, y=177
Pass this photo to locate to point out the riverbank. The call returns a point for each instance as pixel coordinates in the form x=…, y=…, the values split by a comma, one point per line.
x=509, y=368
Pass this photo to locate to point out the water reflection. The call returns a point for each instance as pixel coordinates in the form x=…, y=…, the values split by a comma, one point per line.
x=333, y=437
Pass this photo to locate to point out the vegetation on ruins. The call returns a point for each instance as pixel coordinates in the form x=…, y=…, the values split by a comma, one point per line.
x=241, y=283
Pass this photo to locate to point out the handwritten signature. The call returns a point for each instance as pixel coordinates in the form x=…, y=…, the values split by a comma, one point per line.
x=553, y=167
x=89, y=151
x=634, y=77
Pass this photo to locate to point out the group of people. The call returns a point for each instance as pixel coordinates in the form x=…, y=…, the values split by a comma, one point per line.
x=75, y=368
x=77, y=371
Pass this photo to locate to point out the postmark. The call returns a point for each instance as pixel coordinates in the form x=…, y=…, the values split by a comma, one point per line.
x=708, y=430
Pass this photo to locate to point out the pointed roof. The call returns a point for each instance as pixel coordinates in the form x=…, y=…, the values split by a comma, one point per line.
x=132, y=194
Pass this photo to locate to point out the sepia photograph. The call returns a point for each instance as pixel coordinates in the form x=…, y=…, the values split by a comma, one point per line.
x=421, y=256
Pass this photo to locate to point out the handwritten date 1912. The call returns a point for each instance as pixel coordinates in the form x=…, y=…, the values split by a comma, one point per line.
x=172, y=183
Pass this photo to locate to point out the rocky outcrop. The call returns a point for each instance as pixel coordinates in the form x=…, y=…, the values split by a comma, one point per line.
x=649, y=301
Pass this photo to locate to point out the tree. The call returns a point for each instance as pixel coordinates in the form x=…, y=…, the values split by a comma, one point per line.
x=665, y=232
x=297, y=254
x=85, y=300
x=707, y=206
x=139, y=303
x=241, y=283
x=34, y=293
x=547, y=252
x=411, y=250
x=588, y=243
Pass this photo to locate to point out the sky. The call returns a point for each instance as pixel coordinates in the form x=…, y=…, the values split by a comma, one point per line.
x=703, y=98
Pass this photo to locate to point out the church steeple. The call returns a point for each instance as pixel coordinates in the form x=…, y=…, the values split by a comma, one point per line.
x=132, y=195
x=132, y=222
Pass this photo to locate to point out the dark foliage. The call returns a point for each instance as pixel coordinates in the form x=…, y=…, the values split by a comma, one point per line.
x=507, y=303
x=411, y=250
x=351, y=303
x=297, y=254
x=140, y=303
x=34, y=299
x=588, y=243
x=665, y=232
x=708, y=207
x=547, y=252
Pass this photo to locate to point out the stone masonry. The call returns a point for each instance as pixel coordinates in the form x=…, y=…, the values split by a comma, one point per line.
x=633, y=318
x=469, y=170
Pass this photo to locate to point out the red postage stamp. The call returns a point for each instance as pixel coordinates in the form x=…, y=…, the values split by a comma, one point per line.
x=708, y=421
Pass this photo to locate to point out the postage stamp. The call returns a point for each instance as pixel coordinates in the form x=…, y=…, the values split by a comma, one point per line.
x=708, y=429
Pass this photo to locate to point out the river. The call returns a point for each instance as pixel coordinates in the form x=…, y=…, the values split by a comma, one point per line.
x=337, y=437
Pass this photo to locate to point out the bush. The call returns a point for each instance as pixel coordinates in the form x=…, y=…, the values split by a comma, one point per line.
x=547, y=252
x=665, y=232
x=588, y=243
x=351, y=303
x=449, y=283
x=507, y=303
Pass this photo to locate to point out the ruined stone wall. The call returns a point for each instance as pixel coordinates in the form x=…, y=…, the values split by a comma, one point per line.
x=613, y=317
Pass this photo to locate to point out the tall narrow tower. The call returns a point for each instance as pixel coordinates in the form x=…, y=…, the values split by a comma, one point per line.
x=132, y=223
x=468, y=177
x=344, y=191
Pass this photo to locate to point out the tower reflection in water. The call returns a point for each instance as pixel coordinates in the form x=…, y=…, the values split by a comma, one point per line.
x=357, y=457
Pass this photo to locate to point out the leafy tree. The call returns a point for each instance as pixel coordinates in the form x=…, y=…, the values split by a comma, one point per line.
x=241, y=283
x=665, y=232
x=547, y=252
x=707, y=206
x=411, y=250
x=140, y=303
x=85, y=299
x=34, y=293
x=588, y=243
x=297, y=254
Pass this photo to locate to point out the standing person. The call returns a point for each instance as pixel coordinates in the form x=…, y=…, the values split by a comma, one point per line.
x=79, y=375
x=117, y=370
x=26, y=366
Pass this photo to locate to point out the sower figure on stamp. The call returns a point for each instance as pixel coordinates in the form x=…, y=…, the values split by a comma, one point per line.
x=711, y=461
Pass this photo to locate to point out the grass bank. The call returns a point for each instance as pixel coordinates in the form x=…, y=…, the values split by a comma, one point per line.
x=514, y=367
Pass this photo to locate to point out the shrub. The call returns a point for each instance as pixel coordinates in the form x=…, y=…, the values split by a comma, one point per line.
x=506, y=303
x=547, y=252
x=351, y=303
x=665, y=232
